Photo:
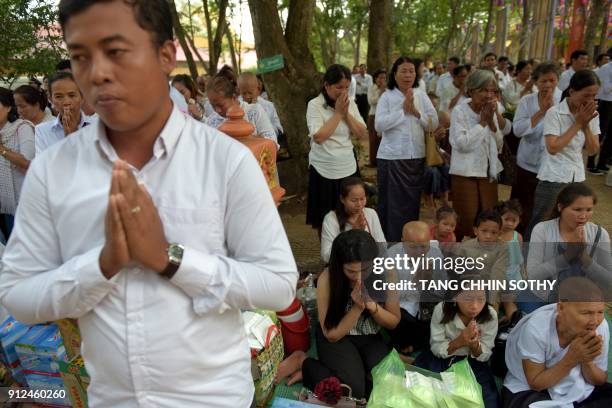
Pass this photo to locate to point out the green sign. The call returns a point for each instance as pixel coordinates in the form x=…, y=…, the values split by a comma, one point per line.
x=270, y=64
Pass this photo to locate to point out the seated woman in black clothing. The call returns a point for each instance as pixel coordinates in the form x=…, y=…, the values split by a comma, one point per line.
x=348, y=340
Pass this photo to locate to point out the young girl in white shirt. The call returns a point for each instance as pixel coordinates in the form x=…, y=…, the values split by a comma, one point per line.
x=351, y=213
x=464, y=327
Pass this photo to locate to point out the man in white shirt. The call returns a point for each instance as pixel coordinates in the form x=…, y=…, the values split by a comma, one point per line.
x=559, y=352
x=502, y=71
x=412, y=332
x=446, y=79
x=433, y=80
x=604, y=107
x=248, y=85
x=157, y=271
x=67, y=99
x=364, y=82
x=453, y=95
x=579, y=60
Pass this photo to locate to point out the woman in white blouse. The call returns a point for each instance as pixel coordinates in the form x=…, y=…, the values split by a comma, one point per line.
x=518, y=87
x=476, y=136
x=529, y=127
x=374, y=93
x=568, y=128
x=569, y=244
x=223, y=94
x=403, y=115
x=16, y=151
x=351, y=213
x=332, y=117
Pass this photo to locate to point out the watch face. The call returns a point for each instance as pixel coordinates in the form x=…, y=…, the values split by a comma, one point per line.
x=175, y=253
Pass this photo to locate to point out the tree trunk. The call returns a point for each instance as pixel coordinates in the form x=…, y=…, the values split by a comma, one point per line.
x=180, y=34
x=487, y=32
x=598, y=8
x=380, y=37
x=357, y=55
x=524, y=37
x=230, y=42
x=214, y=39
x=212, y=68
x=500, y=30
x=451, y=31
x=196, y=52
x=293, y=86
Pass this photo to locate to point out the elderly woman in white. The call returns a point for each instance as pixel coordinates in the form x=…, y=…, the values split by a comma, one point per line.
x=403, y=115
x=477, y=136
x=529, y=127
x=569, y=128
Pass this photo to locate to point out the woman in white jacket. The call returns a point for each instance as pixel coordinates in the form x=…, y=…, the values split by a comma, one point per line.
x=476, y=136
x=403, y=114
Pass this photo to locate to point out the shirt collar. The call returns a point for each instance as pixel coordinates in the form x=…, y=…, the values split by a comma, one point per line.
x=564, y=108
x=165, y=143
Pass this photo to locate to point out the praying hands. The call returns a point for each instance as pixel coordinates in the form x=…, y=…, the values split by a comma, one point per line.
x=133, y=228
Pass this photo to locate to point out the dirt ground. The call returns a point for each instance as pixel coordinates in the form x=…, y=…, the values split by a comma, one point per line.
x=305, y=243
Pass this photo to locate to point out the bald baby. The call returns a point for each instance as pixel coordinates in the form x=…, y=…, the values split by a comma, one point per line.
x=248, y=86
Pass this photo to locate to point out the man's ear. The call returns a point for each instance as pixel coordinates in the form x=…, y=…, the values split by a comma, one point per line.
x=167, y=56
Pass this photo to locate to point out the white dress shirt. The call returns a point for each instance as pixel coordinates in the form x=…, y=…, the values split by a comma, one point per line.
x=334, y=158
x=531, y=147
x=272, y=114
x=179, y=100
x=352, y=88
x=147, y=341
x=535, y=338
x=605, y=77
x=331, y=229
x=254, y=114
x=443, y=334
x=374, y=94
x=423, y=86
x=565, y=78
x=444, y=80
x=403, y=135
x=364, y=82
x=432, y=84
x=473, y=150
x=448, y=93
x=46, y=134
x=566, y=166
x=512, y=93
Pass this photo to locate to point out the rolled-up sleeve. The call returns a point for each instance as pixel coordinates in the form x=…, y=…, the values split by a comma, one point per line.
x=259, y=270
x=36, y=285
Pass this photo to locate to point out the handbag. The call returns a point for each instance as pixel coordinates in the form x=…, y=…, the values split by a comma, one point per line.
x=432, y=153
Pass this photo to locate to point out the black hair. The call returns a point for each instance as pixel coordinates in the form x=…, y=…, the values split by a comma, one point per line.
x=457, y=70
x=568, y=195
x=7, y=100
x=151, y=15
x=512, y=205
x=346, y=185
x=334, y=74
x=349, y=246
x=188, y=82
x=580, y=80
x=444, y=212
x=32, y=96
x=454, y=59
x=488, y=215
x=418, y=62
x=503, y=58
x=577, y=54
x=600, y=57
x=520, y=65
x=392, y=83
x=63, y=65
x=450, y=307
x=489, y=54
x=58, y=76
x=378, y=73
x=468, y=66
x=545, y=68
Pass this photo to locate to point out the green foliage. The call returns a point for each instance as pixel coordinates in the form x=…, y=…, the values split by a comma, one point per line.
x=30, y=39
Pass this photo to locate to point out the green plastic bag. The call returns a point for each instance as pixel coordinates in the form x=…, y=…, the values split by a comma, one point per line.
x=462, y=389
x=455, y=388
